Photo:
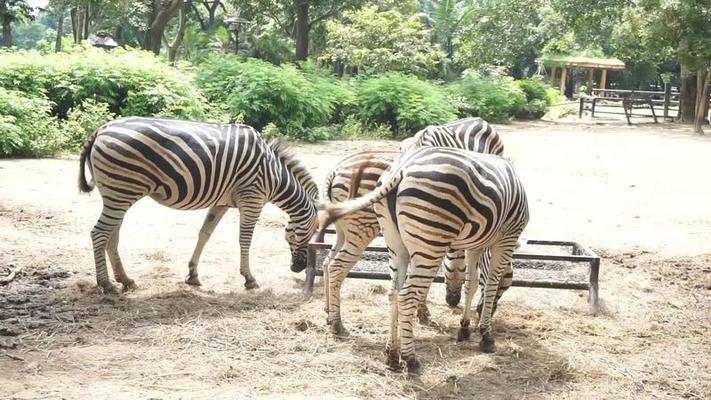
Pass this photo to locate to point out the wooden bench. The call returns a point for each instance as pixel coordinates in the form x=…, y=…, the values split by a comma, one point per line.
x=628, y=100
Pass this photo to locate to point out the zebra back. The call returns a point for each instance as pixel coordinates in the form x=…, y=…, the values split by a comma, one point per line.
x=477, y=135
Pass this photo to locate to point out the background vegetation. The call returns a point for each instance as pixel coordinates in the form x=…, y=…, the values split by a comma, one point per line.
x=320, y=69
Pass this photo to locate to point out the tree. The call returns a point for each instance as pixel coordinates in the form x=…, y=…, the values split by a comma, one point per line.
x=684, y=26
x=375, y=41
x=10, y=11
x=160, y=14
x=504, y=33
x=172, y=46
x=210, y=7
x=447, y=18
x=297, y=18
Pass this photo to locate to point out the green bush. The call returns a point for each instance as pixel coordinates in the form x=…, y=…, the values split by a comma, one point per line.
x=406, y=103
x=26, y=127
x=538, y=100
x=495, y=98
x=131, y=82
x=83, y=121
x=263, y=93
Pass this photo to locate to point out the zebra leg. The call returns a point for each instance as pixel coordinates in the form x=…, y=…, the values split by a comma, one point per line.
x=109, y=221
x=340, y=238
x=116, y=264
x=248, y=216
x=454, y=268
x=504, y=284
x=399, y=260
x=214, y=215
x=423, y=313
x=470, y=287
x=347, y=256
x=423, y=270
x=501, y=255
x=483, y=276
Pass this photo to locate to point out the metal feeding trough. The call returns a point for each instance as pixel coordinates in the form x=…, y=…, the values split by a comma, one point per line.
x=550, y=264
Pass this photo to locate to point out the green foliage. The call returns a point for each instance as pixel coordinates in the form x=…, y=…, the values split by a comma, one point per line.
x=83, y=121
x=264, y=93
x=406, y=103
x=502, y=32
x=131, y=82
x=269, y=45
x=26, y=127
x=495, y=98
x=537, y=99
x=447, y=18
x=373, y=41
x=26, y=35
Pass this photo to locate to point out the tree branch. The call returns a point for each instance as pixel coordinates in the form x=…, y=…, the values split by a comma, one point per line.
x=328, y=14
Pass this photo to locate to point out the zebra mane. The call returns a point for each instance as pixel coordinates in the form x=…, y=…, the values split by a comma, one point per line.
x=286, y=157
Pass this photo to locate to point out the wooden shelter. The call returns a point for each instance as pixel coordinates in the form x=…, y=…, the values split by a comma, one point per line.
x=589, y=63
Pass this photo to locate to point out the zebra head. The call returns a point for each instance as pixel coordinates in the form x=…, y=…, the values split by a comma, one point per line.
x=298, y=236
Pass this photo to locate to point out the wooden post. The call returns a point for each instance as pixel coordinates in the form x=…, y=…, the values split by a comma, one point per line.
x=667, y=99
x=590, y=80
x=553, y=71
x=603, y=80
x=563, y=75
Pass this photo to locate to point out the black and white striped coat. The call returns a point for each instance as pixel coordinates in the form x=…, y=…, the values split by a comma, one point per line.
x=438, y=199
x=357, y=175
x=189, y=165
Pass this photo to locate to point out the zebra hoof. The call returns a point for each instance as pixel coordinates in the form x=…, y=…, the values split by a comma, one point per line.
x=108, y=288
x=423, y=314
x=193, y=280
x=339, y=330
x=413, y=365
x=464, y=332
x=453, y=298
x=488, y=345
x=249, y=285
x=129, y=285
x=392, y=359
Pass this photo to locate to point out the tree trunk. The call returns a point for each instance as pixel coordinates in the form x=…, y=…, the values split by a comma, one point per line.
x=6, y=24
x=161, y=17
x=301, y=34
x=687, y=96
x=172, y=48
x=85, y=23
x=687, y=92
x=702, y=100
x=75, y=24
x=60, y=32
x=6, y=32
x=118, y=35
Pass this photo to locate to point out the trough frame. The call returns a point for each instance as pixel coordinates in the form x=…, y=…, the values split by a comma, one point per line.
x=579, y=254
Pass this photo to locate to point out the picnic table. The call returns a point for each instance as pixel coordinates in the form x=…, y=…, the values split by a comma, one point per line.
x=628, y=99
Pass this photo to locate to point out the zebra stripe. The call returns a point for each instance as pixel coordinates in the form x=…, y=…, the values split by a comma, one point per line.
x=357, y=175
x=187, y=166
x=437, y=199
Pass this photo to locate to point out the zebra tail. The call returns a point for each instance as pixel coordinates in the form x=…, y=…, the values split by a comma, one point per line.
x=85, y=186
x=333, y=212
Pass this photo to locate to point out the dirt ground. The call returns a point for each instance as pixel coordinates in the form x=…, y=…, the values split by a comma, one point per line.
x=638, y=195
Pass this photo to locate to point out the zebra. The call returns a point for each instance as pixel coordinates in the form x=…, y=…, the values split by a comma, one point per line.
x=191, y=165
x=439, y=199
x=357, y=175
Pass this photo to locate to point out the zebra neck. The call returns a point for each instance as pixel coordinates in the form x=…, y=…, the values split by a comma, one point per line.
x=290, y=196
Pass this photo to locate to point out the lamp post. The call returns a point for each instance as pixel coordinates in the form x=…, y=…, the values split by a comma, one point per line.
x=233, y=25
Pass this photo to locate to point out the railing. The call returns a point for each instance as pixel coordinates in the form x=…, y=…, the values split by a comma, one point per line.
x=667, y=100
